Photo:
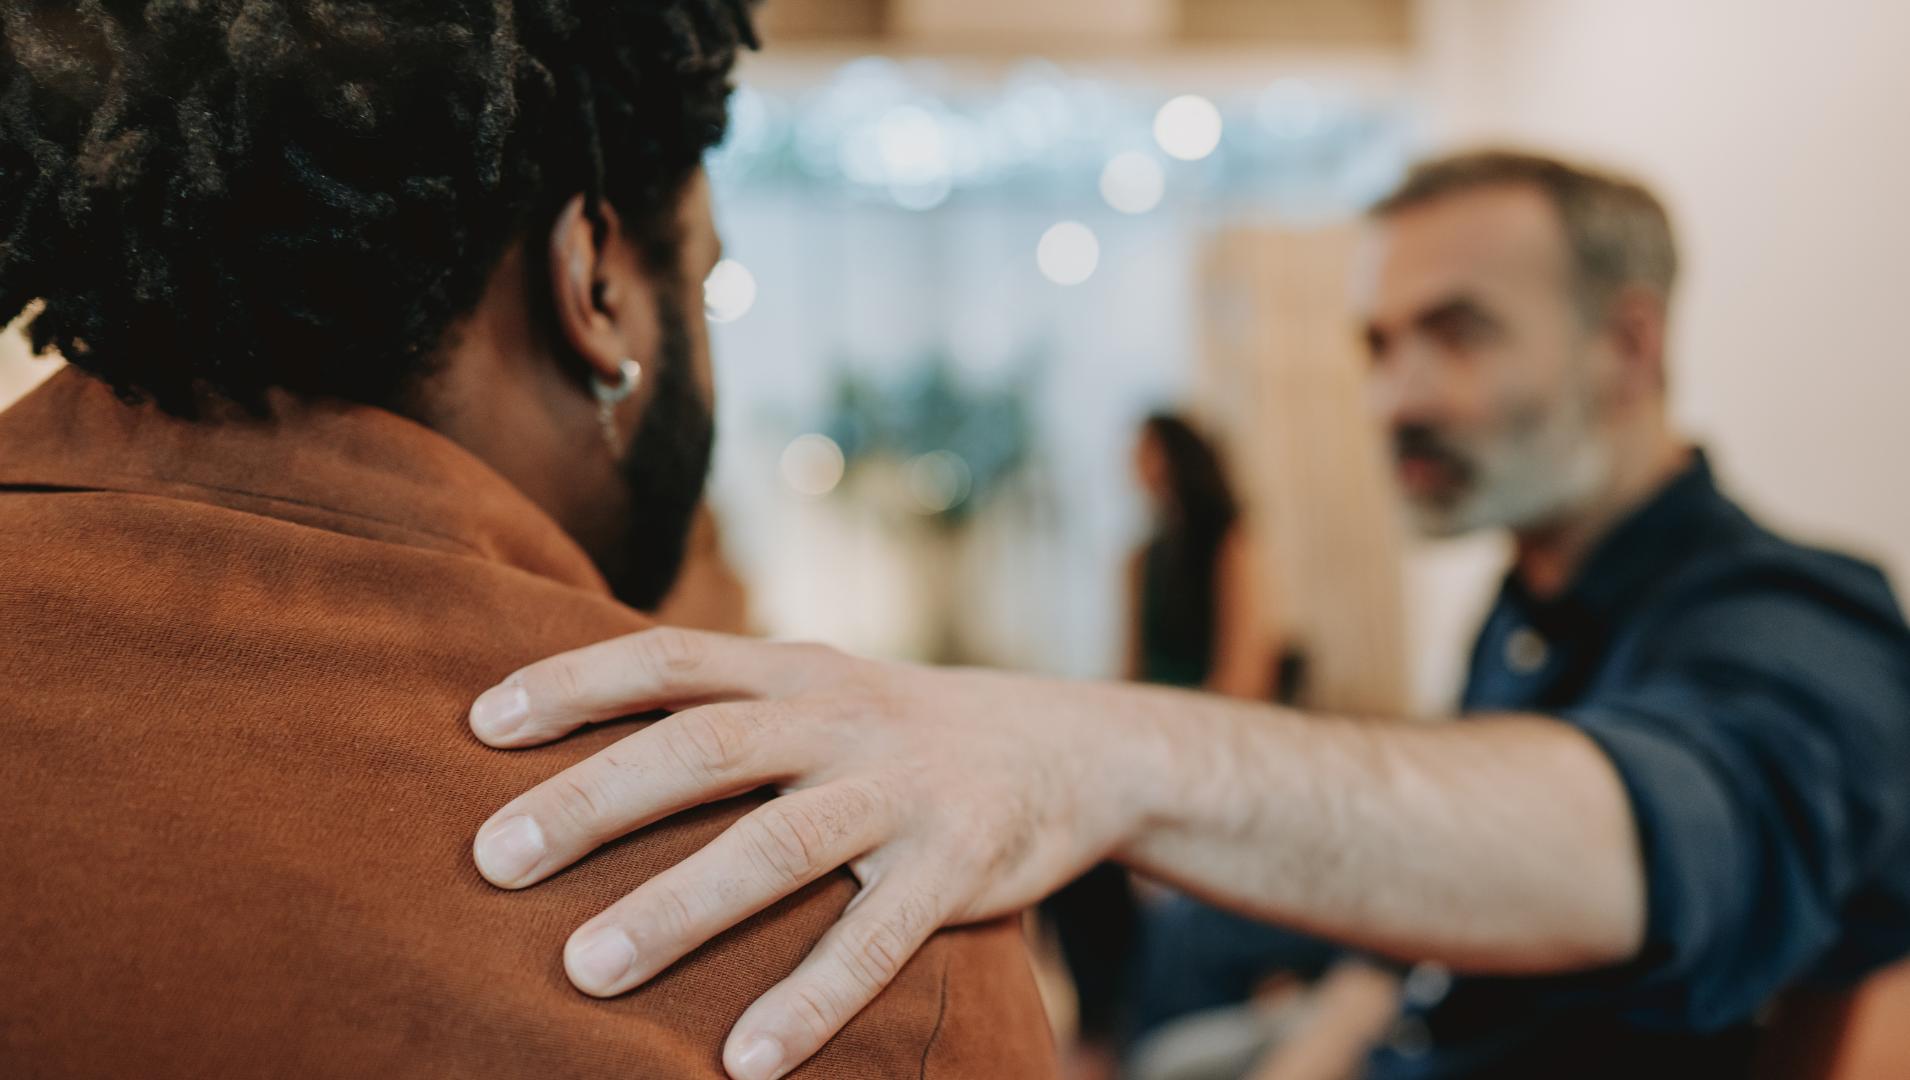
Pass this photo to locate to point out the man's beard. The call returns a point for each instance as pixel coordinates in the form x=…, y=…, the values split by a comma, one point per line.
x=1534, y=471
x=663, y=473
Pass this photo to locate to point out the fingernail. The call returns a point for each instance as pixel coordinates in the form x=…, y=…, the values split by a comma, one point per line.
x=511, y=850
x=501, y=710
x=601, y=959
x=762, y=1061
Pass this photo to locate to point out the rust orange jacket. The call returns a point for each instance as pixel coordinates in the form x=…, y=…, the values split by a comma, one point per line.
x=239, y=793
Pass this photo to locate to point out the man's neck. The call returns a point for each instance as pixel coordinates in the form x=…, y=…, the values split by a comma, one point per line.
x=1549, y=557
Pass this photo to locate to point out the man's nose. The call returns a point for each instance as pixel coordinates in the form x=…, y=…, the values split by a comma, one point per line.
x=1405, y=391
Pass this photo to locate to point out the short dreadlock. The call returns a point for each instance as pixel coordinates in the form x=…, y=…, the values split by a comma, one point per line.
x=228, y=196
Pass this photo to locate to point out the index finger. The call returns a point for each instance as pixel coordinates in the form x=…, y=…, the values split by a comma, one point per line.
x=659, y=669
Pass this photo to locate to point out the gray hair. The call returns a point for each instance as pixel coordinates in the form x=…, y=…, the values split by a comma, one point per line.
x=1618, y=231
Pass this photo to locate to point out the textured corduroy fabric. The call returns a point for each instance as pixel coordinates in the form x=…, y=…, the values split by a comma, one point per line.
x=239, y=794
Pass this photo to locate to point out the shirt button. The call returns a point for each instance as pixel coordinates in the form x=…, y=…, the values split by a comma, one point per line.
x=1525, y=651
x=1427, y=985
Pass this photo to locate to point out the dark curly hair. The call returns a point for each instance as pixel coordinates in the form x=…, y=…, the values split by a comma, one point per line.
x=229, y=196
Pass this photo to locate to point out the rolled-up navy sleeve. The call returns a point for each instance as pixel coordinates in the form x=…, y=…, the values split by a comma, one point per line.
x=1764, y=751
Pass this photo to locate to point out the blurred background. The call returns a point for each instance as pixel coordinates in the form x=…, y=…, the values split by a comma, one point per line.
x=976, y=240
x=974, y=243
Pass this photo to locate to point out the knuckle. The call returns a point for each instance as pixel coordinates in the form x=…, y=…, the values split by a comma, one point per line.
x=671, y=916
x=581, y=800
x=588, y=797
x=789, y=840
x=815, y=1008
x=710, y=742
x=916, y=916
x=876, y=956
x=667, y=651
x=848, y=806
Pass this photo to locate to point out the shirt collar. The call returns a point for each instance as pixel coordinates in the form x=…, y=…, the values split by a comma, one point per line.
x=1644, y=548
x=347, y=468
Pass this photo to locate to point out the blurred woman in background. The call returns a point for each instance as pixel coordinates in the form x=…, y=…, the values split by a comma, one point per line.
x=1199, y=605
x=1200, y=992
x=1199, y=618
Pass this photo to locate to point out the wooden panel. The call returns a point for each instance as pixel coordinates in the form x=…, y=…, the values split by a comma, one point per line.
x=1019, y=23
x=813, y=20
x=1070, y=25
x=1299, y=22
x=1282, y=385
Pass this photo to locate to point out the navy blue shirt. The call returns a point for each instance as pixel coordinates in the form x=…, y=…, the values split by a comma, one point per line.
x=1754, y=695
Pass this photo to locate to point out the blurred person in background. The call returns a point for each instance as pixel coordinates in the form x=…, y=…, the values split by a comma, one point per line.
x=1197, y=606
x=1680, y=794
x=388, y=373
x=1201, y=621
x=1198, y=618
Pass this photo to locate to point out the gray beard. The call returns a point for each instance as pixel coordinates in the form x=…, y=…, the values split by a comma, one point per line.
x=1528, y=495
x=1527, y=479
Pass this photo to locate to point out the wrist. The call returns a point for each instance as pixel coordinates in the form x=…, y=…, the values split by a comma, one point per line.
x=1212, y=772
x=1152, y=759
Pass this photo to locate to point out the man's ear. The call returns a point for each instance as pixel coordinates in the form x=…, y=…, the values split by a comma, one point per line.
x=596, y=289
x=1636, y=325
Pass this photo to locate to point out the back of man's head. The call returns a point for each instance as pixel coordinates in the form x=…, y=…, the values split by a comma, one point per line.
x=233, y=196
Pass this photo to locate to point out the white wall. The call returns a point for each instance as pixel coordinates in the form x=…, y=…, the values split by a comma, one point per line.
x=19, y=372
x=1777, y=130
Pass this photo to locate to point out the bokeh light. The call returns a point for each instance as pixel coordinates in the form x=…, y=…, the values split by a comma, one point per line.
x=1133, y=182
x=1188, y=127
x=939, y=481
x=729, y=292
x=914, y=153
x=1069, y=253
x=812, y=465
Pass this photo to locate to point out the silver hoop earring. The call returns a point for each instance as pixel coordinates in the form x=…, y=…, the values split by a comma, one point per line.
x=611, y=395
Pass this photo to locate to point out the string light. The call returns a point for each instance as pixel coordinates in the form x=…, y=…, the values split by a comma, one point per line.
x=1188, y=127
x=1133, y=182
x=812, y=465
x=939, y=481
x=1069, y=253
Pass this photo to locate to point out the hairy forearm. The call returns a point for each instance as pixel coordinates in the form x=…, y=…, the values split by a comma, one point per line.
x=1496, y=845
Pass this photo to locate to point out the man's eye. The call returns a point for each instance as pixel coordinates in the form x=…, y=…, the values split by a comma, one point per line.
x=1460, y=328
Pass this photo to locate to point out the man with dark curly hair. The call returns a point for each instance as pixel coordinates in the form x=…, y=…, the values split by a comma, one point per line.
x=387, y=376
